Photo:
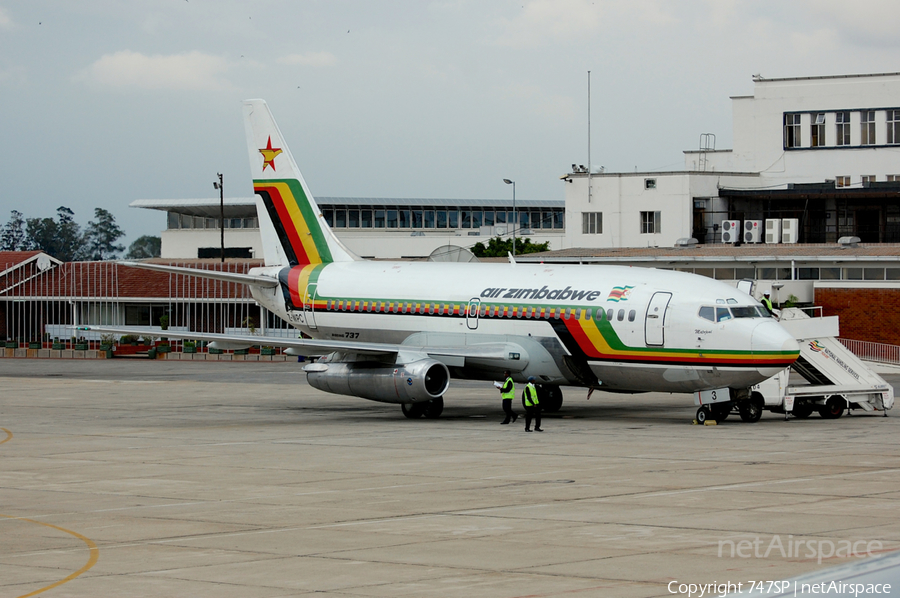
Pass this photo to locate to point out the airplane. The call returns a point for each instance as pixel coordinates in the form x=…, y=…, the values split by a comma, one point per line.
x=398, y=332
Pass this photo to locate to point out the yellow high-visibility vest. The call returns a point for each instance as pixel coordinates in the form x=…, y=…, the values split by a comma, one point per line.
x=511, y=393
x=530, y=395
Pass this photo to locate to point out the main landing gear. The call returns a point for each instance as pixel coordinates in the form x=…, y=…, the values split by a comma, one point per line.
x=430, y=409
x=750, y=409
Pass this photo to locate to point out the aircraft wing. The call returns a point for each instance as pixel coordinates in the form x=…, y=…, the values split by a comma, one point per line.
x=320, y=346
x=260, y=281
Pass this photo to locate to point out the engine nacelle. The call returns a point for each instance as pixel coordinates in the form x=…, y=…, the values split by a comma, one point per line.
x=414, y=382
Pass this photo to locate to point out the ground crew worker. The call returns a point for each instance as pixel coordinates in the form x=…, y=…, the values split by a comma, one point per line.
x=508, y=393
x=532, y=406
x=767, y=303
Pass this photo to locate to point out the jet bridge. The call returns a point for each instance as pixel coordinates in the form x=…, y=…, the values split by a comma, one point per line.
x=837, y=380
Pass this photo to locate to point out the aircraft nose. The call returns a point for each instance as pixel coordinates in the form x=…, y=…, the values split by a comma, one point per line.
x=771, y=342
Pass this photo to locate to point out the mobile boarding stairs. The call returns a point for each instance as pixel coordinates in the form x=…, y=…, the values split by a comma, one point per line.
x=837, y=379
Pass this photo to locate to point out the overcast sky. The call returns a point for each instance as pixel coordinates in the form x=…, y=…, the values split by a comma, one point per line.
x=110, y=101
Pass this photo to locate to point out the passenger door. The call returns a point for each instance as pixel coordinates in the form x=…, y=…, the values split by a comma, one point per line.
x=655, y=322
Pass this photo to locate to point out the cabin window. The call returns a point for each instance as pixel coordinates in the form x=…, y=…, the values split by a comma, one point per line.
x=631, y=315
x=588, y=313
x=722, y=314
x=621, y=315
x=610, y=314
x=708, y=313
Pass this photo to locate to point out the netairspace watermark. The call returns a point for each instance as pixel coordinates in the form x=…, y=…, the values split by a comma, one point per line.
x=779, y=588
x=798, y=548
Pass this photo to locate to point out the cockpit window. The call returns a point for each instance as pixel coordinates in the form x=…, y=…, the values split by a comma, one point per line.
x=720, y=301
x=722, y=314
x=745, y=311
x=732, y=302
x=708, y=313
x=763, y=312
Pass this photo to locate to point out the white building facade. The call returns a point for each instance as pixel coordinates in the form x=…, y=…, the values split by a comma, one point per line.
x=821, y=151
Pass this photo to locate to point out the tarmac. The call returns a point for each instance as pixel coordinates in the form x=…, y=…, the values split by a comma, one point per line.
x=162, y=478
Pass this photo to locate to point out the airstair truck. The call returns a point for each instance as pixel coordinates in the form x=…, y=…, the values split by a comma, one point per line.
x=836, y=379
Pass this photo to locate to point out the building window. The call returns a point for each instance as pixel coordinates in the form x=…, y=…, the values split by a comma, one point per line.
x=893, y=126
x=592, y=223
x=868, y=178
x=817, y=131
x=650, y=223
x=649, y=183
x=841, y=181
x=867, y=127
x=842, y=128
x=791, y=130
x=893, y=178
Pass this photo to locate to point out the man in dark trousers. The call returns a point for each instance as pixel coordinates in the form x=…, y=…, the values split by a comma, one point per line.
x=532, y=406
x=508, y=393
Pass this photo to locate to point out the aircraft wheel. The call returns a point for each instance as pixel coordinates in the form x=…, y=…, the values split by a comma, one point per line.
x=433, y=408
x=802, y=410
x=703, y=414
x=550, y=397
x=751, y=409
x=833, y=408
x=413, y=410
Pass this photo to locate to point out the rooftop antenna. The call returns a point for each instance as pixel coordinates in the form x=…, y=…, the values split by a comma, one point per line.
x=590, y=168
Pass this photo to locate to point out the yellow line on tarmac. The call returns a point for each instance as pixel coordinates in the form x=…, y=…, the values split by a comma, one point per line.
x=92, y=560
x=8, y=436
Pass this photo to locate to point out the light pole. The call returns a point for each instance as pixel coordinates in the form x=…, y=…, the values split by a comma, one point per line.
x=220, y=187
x=515, y=216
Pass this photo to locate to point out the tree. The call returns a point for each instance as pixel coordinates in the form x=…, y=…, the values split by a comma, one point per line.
x=101, y=235
x=498, y=247
x=60, y=238
x=12, y=237
x=144, y=247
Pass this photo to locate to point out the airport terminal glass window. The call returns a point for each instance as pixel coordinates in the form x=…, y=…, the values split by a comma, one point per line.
x=708, y=313
x=868, y=178
x=873, y=273
x=379, y=218
x=546, y=219
x=791, y=130
x=476, y=219
x=807, y=273
x=722, y=314
x=511, y=217
x=353, y=219
x=724, y=274
x=707, y=272
x=489, y=217
x=842, y=128
x=892, y=273
x=365, y=218
x=392, y=218
x=817, y=130
x=829, y=273
x=465, y=219
x=501, y=217
x=429, y=219
x=248, y=223
x=650, y=223
x=524, y=220
x=234, y=222
x=340, y=218
x=172, y=221
x=214, y=223
x=199, y=222
x=558, y=219
x=742, y=273
x=452, y=218
x=592, y=223
x=893, y=126
x=328, y=215
x=417, y=218
x=440, y=218
x=867, y=127
x=404, y=218
x=841, y=181
x=853, y=274
x=186, y=221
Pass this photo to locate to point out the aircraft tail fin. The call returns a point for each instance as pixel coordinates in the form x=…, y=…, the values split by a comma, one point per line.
x=292, y=227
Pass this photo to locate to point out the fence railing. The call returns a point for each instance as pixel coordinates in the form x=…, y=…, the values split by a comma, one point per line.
x=869, y=351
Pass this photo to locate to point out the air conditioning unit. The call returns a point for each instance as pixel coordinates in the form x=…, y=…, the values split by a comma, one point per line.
x=731, y=231
x=790, y=230
x=752, y=231
x=773, y=230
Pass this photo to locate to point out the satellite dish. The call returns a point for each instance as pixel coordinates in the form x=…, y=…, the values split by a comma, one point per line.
x=452, y=253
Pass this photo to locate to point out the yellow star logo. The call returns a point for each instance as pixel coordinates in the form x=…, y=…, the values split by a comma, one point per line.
x=269, y=154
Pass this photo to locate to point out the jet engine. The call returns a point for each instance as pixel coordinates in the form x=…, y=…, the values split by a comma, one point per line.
x=414, y=382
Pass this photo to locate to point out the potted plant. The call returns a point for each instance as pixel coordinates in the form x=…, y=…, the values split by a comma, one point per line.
x=189, y=347
x=164, y=322
x=81, y=344
x=267, y=350
x=12, y=344
x=107, y=341
x=57, y=344
x=35, y=344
